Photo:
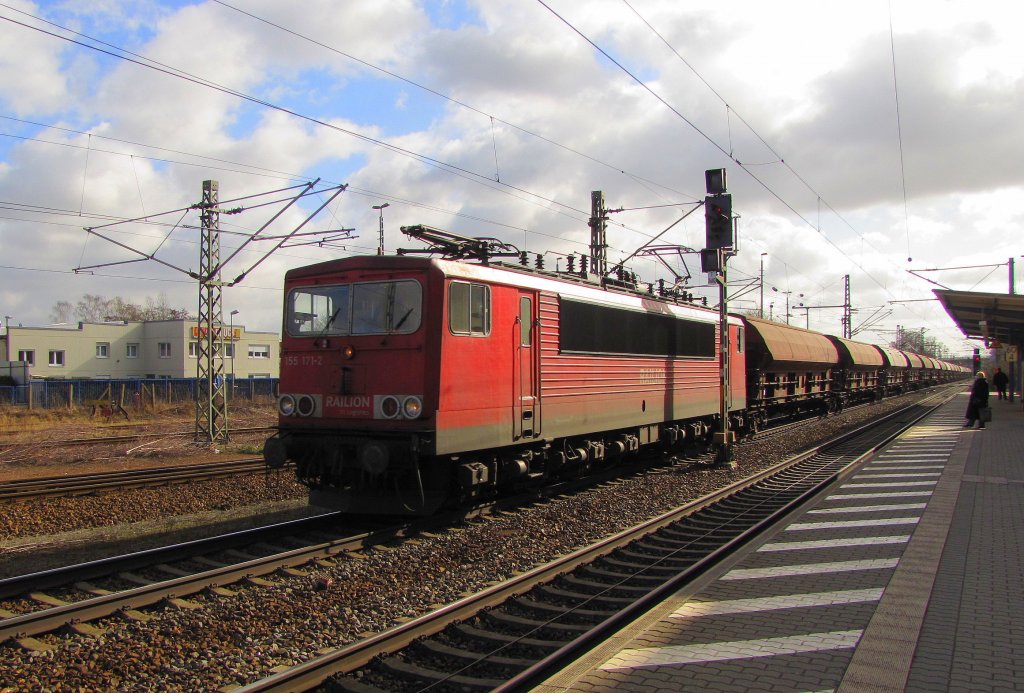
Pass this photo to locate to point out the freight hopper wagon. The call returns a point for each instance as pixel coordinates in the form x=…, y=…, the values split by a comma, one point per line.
x=859, y=377
x=790, y=371
x=408, y=382
x=894, y=377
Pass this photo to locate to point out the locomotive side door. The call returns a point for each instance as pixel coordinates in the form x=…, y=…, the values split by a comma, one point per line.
x=525, y=386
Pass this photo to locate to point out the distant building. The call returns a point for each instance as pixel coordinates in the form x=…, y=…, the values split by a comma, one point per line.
x=151, y=349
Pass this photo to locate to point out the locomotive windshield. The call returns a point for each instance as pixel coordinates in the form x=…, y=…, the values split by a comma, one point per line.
x=355, y=309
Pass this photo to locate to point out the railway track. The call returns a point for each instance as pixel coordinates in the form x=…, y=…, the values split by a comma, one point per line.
x=72, y=596
x=515, y=634
x=84, y=484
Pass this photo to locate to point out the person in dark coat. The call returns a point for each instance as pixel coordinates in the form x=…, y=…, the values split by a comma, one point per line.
x=979, y=399
x=1000, y=380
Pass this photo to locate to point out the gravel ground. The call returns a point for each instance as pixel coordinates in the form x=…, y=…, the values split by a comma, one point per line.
x=37, y=534
x=238, y=639
x=33, y=517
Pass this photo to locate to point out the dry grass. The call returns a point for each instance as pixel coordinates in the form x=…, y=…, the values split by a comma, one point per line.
x=34, y=443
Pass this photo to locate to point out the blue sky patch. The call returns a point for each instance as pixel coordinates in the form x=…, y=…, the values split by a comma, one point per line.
x=452, y=14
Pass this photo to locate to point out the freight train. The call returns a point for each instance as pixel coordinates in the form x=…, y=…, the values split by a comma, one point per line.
x=408, y=383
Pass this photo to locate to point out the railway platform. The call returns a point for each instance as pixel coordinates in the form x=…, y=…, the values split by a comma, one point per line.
x=909, y=576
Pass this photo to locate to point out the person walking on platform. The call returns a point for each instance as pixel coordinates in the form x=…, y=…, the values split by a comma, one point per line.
x=978, y=401
x=1000, y=380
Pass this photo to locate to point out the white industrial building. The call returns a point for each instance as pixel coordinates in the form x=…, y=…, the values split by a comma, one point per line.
x=123, y=349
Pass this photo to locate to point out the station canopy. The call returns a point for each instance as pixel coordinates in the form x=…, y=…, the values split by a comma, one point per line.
x=996, y=318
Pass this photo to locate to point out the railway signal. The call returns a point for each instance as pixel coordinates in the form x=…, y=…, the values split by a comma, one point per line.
x=720, y=246
x=718, y=221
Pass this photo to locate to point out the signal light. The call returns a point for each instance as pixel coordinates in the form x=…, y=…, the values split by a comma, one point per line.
x=718, y=221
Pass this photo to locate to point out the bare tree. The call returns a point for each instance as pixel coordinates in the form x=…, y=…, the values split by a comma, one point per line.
x=62, y=311
x=95, y=308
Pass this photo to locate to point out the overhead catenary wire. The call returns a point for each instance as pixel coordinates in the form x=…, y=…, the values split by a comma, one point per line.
x=581, y=155
x=161, y=67
x=725, y=152
x=899, y=132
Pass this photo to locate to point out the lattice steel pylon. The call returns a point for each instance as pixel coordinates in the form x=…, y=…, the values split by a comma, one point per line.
x=211, y=394
x=211, y=390
x=598, y=234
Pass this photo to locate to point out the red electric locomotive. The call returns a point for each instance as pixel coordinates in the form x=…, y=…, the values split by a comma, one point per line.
x=407, y=382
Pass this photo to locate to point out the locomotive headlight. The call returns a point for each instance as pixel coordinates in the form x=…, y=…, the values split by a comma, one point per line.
x=349, y=351
x=306, y=405
x=286, y=405
x=412, y=407
x=389, y=407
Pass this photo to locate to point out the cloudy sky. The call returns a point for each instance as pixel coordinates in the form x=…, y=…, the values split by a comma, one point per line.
x=864, y=138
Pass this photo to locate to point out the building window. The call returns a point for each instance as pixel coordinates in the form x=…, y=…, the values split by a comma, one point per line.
x=229, y=351
x=28, y=356
x=165, y=350
x=103, y=350
x=132, y=350
x=259, y=351
x=57, y=359
x=193, y=350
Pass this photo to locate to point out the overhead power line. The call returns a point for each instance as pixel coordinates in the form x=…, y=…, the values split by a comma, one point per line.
x=725, y=152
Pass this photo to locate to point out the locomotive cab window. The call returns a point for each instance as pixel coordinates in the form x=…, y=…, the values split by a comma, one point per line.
x=394, y=307
x=469, y=309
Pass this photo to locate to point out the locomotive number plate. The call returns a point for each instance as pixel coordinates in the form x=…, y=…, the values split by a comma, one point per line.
x=304, y=360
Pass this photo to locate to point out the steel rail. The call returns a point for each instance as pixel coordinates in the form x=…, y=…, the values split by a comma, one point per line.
x=350, y=657
x=571, y=651
x=134, y=478
x=45, y=620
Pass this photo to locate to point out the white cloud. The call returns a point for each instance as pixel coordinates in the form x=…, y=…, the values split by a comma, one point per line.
x=815, y=80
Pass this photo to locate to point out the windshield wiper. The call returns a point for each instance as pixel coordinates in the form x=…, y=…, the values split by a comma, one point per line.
x=402, y=321
x=330, y=322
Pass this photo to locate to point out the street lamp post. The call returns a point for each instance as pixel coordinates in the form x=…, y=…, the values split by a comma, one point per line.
x=7, y=337
x=380, y=208
x=787, y=300
x=231, y=337
x=760, y=310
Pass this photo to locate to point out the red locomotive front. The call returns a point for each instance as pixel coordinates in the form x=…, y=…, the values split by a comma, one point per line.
x=357, y=396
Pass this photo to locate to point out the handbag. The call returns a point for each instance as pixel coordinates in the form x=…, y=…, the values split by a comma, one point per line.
x=984, y=414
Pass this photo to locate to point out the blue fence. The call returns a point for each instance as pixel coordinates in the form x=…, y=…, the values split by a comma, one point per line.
x=51, y=394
